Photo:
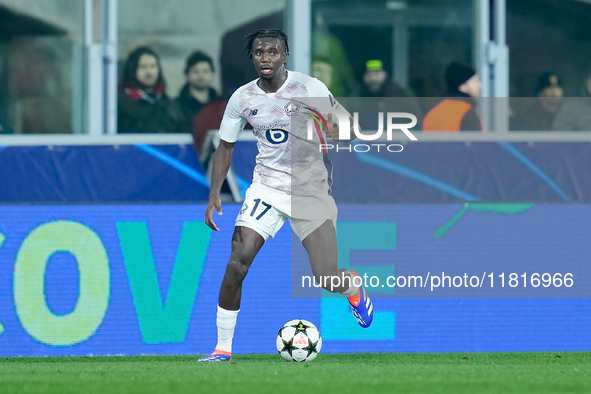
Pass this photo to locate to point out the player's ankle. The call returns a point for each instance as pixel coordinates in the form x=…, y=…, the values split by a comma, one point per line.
x=353, y=291
x=217, y=351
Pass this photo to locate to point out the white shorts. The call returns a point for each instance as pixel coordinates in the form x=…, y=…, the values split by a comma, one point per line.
x=265, y=210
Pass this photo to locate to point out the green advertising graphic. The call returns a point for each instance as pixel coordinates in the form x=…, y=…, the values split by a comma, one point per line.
x=163, y=319
x=29, y=283
x=495, y=207
x=108, y=280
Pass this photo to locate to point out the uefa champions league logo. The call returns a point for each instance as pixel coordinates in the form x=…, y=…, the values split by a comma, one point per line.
x=345, y=128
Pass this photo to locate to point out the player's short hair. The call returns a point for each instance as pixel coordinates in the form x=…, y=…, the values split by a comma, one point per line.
x=198, y=57
x=260, y=33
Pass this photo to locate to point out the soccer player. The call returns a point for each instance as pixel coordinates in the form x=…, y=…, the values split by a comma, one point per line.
x=266, y=103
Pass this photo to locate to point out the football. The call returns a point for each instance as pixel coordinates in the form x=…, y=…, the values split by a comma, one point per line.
x=299, y=340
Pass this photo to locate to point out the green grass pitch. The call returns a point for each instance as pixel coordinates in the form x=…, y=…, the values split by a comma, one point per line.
x=549, y=372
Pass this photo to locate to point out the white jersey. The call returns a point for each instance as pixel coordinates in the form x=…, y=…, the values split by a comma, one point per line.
x=287, y=161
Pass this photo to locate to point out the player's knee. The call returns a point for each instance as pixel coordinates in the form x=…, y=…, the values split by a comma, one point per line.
x=236, y=269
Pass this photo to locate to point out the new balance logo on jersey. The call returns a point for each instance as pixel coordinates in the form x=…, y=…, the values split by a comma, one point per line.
x=254, y=112
x=244, y=208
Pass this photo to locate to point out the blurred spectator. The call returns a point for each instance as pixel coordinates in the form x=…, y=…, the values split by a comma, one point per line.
x=323, y=70
x=575, y=112
x=330, y=64
x=458, y=111
x=143, y=105
x=209, y=118
x=197, y=91
x=377, y=83
x=37, y=84
x=540, y=116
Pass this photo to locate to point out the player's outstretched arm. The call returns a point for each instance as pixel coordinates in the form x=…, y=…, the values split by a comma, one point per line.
x=222, y=159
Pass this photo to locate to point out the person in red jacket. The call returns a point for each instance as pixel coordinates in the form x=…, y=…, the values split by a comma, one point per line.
x=458, y=111
x=209, y=118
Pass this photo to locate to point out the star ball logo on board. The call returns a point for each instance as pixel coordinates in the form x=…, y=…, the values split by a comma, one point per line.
x=317, y=121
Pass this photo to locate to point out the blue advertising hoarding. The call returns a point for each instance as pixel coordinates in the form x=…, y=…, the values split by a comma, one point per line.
x=425, y=172
x=144, y=279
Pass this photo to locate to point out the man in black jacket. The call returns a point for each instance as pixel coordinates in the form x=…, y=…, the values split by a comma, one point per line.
x=458, y=111
x=197, y=91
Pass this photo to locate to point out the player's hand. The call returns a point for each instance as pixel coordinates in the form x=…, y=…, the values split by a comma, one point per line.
x=333, y=128
x=214, y=204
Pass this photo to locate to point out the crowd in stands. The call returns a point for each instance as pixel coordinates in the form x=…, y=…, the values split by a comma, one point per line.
x=144, y=106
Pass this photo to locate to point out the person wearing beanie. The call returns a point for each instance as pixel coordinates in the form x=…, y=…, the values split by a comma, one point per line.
x=540, y=115
x=458, y=111
x=378, y=83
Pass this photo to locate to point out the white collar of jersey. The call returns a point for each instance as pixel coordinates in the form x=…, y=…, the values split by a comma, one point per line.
x=280, y=88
